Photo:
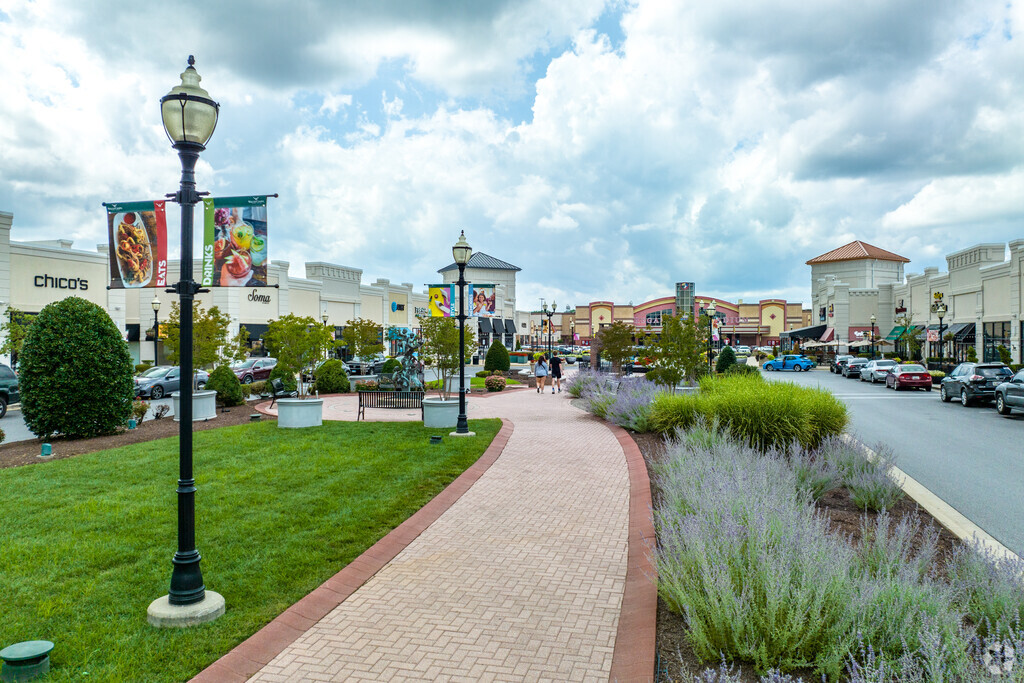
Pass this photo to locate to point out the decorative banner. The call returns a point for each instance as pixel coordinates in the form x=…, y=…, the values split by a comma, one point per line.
x=483, y=300
x=138, y=244
x=440, y=300
x=235, y=248
x=933, y=335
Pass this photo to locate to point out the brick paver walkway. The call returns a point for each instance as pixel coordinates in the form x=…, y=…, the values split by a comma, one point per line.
x=522, y=578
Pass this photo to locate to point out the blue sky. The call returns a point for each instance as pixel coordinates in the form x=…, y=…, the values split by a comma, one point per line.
x=610, y=148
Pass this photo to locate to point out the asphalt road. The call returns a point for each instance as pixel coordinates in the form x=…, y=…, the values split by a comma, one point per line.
x=972, y=458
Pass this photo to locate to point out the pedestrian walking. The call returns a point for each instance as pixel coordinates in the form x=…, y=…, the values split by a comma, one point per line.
x=541, y=372
x=556, y=372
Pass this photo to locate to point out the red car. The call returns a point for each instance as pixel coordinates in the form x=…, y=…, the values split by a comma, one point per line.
x=253, y=369
x=909, y=376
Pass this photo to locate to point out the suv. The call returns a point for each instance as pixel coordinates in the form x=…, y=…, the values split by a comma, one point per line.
x=973, y=382
x=253, y=369
x=8, y=388
x=1010, y=394
x=838, y=363
x=371, y=365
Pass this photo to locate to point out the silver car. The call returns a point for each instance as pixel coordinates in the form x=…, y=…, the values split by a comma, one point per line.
x=876, y=370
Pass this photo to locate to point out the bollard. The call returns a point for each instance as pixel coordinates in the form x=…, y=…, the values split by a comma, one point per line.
x=47, y=451
x=132, y=424
x=255, y=417
x=25, y=661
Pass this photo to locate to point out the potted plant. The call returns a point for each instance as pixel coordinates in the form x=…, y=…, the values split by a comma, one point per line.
x=298, y=343
x=440, y=350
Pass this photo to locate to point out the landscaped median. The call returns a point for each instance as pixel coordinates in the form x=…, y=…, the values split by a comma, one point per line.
x=86, y=542
x=781, y=546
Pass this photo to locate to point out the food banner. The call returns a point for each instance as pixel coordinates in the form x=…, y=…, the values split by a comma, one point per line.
x=137, y=234
x=441, y=298
x=235, y=244
x=483, y=300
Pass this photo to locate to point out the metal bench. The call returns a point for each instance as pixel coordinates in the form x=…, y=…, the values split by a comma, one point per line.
x=389, y=399
x=277, y=390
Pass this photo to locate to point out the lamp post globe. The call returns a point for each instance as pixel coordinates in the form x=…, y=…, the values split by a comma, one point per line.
x=189, y=118
x=462, y=252
x=155, y=303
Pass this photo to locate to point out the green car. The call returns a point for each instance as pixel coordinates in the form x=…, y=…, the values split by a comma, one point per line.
x=8, y=388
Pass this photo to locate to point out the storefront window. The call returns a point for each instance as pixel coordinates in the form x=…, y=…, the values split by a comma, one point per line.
x=996, y=335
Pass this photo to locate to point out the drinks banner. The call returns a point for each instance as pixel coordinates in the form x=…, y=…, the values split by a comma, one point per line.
x=137, y=234
x=235, y=244
x=483, y=300
x=441, y=298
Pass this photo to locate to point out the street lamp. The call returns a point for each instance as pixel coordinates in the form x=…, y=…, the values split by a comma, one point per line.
x=549, y=314
x=156, y=329
x=189, y=118
x=323, y=317
x=940, y=310
x=710, y=310
x=462, y=251
x=873, y=319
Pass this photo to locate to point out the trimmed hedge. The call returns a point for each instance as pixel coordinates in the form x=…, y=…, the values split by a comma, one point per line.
x=497, y=358
x=226, y=384
x=726, y=359
x=75, y=372
x=331, y=378
x=762, y=414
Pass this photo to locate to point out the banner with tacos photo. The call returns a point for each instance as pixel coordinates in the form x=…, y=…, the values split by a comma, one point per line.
x=235, y=244
x=482, y=301
x=441, y=300
x=137, y=242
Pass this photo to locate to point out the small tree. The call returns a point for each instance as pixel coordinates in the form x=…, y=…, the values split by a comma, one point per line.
x=297, y=343
x=679, y=353
x=237, y=347
x=726, y=359
x=362, y=338
x=14, y=330
x=76, y=372
x=226, y=384
x=909, y=337
x=210, y=343
x=441, y=348
x=615, y=342
x=1004, y=354
x=497, y=358
x=972, y=355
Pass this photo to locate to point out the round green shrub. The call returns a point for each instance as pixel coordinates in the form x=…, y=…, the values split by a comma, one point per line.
x=142, y=367
x=390, y=365
x=497, y=358
x=331, y=378
x=483, y=373
x=726, y=359
x=75, y=372
x=287, y=378
x=226, y=384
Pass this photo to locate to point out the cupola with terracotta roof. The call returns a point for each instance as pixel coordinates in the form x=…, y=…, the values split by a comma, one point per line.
x=857, y=251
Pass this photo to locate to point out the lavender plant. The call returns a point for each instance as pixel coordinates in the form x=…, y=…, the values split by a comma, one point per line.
x=632, y=405
x=990, y=587
x=582, y=380
x=816, y=475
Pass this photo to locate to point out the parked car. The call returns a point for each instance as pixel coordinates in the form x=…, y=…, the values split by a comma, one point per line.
x=973, y=382
x=367, y=366
x=909, y=375
x=8, y=388
x=253, y=369
x=1009, y=394
x=160, y=381
x=838, y=363
x=853, y=367
x=791, y=362
x=876, y=370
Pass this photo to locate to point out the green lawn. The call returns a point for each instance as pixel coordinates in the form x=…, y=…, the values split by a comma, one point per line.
x=86, y=543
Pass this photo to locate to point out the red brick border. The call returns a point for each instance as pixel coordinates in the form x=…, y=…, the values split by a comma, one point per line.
x=260, y=648
x=633, y=658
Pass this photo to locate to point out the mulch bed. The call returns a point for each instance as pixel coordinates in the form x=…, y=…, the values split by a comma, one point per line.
x=27, y=452
x=677, y=659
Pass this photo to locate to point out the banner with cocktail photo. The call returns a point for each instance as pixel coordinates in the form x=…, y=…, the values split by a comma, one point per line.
x=235, y=244
x=482, y=300
x=441, y=298
x=137, y=243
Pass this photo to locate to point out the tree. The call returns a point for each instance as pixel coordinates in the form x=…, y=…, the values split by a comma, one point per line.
x=441, y=347
x=497, y=358
x=14, y=330
x=615, y=342
x=75, y=372
x=726, y=359
x=210, y=343
x=362, y=338
x=297, y=343
x=679, y=353
x=237, y=347
x=909, y=337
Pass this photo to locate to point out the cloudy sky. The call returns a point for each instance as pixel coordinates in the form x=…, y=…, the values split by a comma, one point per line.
x=607, y=147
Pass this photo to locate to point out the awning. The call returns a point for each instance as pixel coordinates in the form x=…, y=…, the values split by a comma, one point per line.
x=917, y=332
x=955, y=328
x=895, y=332
x=812, y=332
x=966, y=334
x=829, y=335
x=510, y=327
x=485, y=325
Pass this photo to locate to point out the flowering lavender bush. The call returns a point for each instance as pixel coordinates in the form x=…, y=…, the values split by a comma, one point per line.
x=991, y=587
x=584, y=380
x=631, y=407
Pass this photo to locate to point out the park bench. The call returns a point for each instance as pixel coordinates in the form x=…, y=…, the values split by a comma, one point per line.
x=277, y=391
x=389, y=399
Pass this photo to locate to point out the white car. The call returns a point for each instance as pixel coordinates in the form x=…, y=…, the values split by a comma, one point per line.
x=743, y=350
x=876, y=370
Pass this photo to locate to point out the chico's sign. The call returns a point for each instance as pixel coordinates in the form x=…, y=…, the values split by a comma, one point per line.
x=61, y=282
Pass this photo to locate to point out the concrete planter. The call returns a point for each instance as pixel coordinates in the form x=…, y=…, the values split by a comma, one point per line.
x=204, y=405
x=293, y=413
x=438, y=412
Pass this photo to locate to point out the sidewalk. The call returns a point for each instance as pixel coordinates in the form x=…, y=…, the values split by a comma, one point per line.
x=522, y=577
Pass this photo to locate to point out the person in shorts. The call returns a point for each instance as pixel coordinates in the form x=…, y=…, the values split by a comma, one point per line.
x=541, y=373
x=556, y=372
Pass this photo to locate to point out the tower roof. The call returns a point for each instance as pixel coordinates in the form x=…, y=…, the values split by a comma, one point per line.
x=855, y=251
x=482, y=260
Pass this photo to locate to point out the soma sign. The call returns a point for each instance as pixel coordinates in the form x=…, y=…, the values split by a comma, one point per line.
x=255, y=295
x=61, y=282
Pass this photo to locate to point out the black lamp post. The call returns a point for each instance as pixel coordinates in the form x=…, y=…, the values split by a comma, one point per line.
x=189, y=117
x=873, y=319
x=462, y=251
x=549, y=314
x=710, y=310
x=940, y=310
x=156, y=330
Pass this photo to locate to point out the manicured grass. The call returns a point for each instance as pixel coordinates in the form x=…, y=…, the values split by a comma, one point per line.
x=87, y=542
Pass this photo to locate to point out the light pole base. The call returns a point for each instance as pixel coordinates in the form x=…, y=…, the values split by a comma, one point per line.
x=462, y=434
x=163, y=614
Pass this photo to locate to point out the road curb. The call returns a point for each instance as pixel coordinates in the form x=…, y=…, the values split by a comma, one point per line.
x=944, y=513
